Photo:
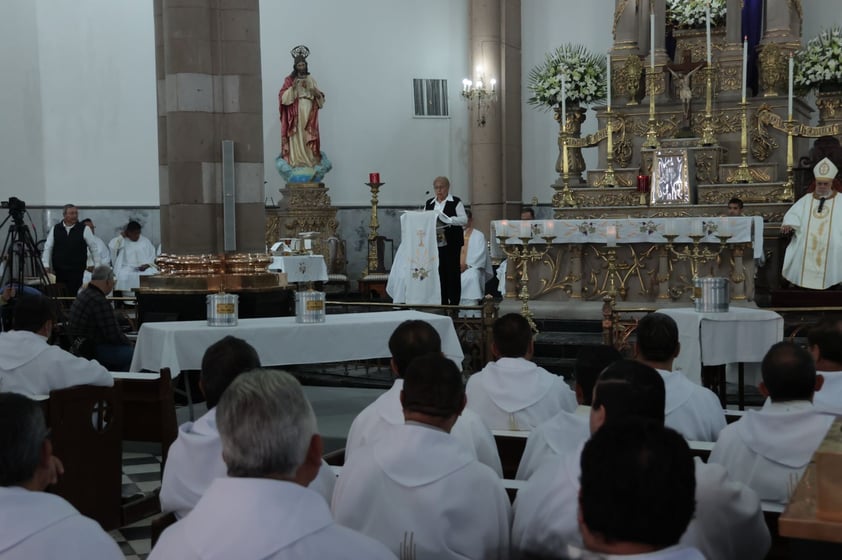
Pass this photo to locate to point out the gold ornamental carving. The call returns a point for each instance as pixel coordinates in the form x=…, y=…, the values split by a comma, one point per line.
x=829, y=105
x=628, y=82
x=765, y=117
x=614, y=278
x=730, y=77
x=773, y=70
x=616, y=197
x=552, y=282
x=705, y=172
x=666, y=127
x=762, y=143
x=757, y=175
x=721, y=195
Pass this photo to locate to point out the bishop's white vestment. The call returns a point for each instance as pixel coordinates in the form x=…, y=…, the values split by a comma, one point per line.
x=562, y=434
x=41, y=525
x=728, y=523
x=420, y=492
x=263, y=519
x=516, y=394
x=829, y=398
x=812, y=256
x=195, y=460
x=691, y=410
x=478, y=272
x=769, y=449
x=386, y=412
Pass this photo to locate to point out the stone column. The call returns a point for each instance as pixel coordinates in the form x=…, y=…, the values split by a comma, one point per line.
x=495, y=149
x=209, y=90
x=729, y=65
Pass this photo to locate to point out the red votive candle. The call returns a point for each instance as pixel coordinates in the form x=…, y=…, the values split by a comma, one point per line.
x=374, y=177
x=643, y=183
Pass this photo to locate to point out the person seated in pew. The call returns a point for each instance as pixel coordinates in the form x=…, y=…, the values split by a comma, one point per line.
x=195, y=457
x=35, y=523
x=410, y=340
x=692, y=410
x=638, y=492
x=30, y=365
x=825, y=344
x=512, y=393
x=728, y=523
x=768, y=449
x=417, y=489
x=565, y=431
x=262, y=510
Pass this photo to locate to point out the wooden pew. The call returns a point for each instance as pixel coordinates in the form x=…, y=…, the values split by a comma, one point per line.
x=149, y=408
x=510, y=446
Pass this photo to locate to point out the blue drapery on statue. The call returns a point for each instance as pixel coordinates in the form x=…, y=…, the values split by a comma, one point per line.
x=752, y=27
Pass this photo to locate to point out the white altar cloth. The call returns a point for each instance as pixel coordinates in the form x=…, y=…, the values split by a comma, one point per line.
x=301, y=268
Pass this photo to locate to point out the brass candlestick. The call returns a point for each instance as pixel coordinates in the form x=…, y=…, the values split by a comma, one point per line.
x=698, y=255
x=651, y=140
x=566, y=194
x=743, y=175
x=520, y=256
x=609, y=179
x=610, y=258
x=788, y=193
x=373, y=259
x=708, y=131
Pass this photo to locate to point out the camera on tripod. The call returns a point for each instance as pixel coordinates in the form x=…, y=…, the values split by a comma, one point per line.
x=16, y=208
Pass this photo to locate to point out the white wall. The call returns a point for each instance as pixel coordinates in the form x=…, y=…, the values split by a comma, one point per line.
x=364, y=55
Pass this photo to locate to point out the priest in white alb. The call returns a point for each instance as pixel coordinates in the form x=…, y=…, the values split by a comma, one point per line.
x=475, y=264
x=815, y=222
x=133, y=256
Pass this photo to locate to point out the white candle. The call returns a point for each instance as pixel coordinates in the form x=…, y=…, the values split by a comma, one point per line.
x=563, y=103
x=669, y=227
x=725, y=226
x=789, y=97
x=525, y=229
x=745, y=66
x=504, y=229
x=652, y=41
x=548, y=227
x=696, y=227
x=707, y=29
x=608, y=79
x=611, y=235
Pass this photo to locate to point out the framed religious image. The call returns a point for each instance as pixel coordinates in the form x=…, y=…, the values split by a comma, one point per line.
x=672, y=173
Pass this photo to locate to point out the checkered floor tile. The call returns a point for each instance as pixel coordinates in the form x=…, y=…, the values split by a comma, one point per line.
x=141, y=474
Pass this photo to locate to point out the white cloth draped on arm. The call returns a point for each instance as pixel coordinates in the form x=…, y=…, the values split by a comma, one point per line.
x=414, y=275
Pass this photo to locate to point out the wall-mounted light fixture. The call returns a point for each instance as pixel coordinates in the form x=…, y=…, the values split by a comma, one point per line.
x=479, y=94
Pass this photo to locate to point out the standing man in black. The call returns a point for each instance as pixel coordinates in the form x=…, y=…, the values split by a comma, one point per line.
x=450, y=237
x=66, y=250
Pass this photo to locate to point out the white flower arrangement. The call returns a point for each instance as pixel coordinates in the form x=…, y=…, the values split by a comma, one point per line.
x=584, y=74
x=820, y=61
x=688, y=14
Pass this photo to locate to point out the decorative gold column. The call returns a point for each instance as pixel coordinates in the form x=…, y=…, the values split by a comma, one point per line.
x=373, y=259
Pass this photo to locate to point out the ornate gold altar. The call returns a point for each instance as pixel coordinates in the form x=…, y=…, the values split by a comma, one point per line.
x=304, y=207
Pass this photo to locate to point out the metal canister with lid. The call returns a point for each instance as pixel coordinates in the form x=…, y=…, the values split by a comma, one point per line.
x=309, y=306
x=223, y=309
x=711, y=295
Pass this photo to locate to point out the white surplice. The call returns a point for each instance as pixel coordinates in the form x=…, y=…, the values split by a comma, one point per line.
x=769, y=449
x=42, y=525
x=692, y=410
x=562, y=434
x=30, y=366
x=262, y=519
x=829, y=398
x=812, y=256
x=386, y=412
x=516, y=394
x=423, y=494
x=728, y=523
x=414, y=277
x=128, y=256
x=479, y=268
x=195, y=460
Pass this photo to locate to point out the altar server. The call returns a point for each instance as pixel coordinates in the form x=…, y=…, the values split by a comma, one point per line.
x=825, y=344
x=416, y=488
x=133, y=256
x=475, y=264
x=263, y=509
x=33, y=523
x=513, y=393
x=769, y=449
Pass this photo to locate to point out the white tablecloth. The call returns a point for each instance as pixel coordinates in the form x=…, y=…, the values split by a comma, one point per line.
x=743, y=334
x=301, y=268
x=281, y=341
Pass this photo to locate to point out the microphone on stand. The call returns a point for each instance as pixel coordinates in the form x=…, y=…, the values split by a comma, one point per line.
x=821, y=205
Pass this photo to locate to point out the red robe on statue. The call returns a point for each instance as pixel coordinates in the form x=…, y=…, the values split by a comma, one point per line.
x=290, y=126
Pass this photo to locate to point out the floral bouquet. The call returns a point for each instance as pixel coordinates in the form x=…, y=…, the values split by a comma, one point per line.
x=690, y=14
x=584, y=73
x=820, y=61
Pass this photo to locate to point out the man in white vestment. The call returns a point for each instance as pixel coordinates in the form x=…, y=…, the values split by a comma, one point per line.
x=769, y=449
x=825, y=344
x=728, y=522
x=30, y=365
x=195, y=457
x=410, y=340
x=637, y=492
x=513, y=393
x=474, y=263
x=101, y=250
x=815, y=220
x=416, y=488
x=566, y=431
x=33, y=523
x=692, y=410
x=263, y=509
x=133, y=256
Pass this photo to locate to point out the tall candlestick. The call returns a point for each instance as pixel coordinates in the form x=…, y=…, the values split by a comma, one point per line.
x=745, y=66
x=652, y=41
x=563, y=103
x=707, y=30
x=789, y=94
x=608, y=79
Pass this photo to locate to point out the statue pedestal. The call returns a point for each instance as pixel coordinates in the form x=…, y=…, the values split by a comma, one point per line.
x=304, y=207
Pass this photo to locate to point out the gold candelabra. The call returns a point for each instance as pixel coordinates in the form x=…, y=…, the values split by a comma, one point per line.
x=743, y=174
x=610, y=258
x=373, y=259
x=566, y=194
x=788, y=193
x=651, y=140
x=520, y=256
x=708, y=131
x=698, y=255
x=609, y=179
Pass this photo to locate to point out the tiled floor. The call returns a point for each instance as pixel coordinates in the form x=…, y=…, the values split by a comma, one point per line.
x=141, y=473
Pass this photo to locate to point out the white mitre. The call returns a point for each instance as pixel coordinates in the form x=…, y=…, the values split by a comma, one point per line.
x=825, y=170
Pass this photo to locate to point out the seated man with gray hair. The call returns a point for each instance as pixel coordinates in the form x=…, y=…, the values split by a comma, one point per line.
x=262, y=510
x=37, y=524
x=92, y=316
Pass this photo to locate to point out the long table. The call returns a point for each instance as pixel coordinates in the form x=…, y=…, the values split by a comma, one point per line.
x=281, y=341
